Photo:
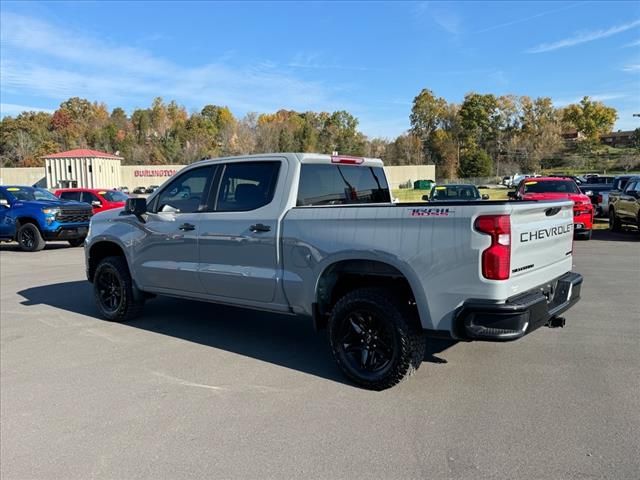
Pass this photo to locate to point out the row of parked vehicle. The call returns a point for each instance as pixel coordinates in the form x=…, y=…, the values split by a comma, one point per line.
x=32, y=216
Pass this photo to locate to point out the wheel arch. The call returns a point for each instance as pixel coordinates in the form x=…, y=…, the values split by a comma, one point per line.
x=21, y=220
x=98, y=251
x=341, y=275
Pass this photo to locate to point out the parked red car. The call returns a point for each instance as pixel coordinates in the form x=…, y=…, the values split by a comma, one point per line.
x=100, y=199
x=554, y=188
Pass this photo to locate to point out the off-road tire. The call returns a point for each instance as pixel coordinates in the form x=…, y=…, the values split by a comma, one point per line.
x=408, y=339
x=129, y=305
x=614, y=222
x=76, y=242
x=29, y=238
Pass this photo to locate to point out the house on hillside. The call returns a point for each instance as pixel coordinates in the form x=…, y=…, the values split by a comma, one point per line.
x=618, y=139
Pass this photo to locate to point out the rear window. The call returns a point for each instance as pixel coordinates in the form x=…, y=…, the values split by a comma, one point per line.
x=70, y=196
x=454, y=192
x=114, y=196
x=550, y=186
x=322, y=184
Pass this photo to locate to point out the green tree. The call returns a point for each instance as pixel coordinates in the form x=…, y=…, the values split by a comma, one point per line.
x=480, y=120
x=426, y=115
x=476, y=163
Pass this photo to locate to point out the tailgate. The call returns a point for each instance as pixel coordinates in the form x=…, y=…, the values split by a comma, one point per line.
x=541, y=235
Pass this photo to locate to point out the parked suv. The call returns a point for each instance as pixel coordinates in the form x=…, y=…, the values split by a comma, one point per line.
x=100, y=199
x=32, y=216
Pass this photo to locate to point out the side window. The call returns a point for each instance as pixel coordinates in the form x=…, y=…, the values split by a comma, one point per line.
x=70, y=196
x=88, y=197
x=632, y=186
x=187, y=193
x=322, y=184
x=246, y=186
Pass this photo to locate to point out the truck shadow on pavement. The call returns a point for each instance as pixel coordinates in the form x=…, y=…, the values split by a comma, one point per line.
x=14, y=247
x=628, y=234
x=283, y=340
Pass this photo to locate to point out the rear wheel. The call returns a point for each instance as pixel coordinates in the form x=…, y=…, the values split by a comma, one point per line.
x=614, y=222
x=114, y=292
x=374, y=340
x=29, y=238
x=76, y=242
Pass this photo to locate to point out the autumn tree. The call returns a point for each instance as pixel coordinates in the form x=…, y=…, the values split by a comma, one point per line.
x=591, y=118
x=426, y=115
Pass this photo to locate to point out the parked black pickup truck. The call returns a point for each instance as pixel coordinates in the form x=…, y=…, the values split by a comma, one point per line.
x=624, y=206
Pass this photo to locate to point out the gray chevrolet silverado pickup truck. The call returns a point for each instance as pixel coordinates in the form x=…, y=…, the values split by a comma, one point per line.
x=318, y=236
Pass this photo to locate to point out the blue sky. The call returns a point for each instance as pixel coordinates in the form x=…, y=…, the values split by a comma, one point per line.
x=368, y=58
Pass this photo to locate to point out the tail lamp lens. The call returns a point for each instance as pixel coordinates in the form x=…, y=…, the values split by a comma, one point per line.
x=496, y=259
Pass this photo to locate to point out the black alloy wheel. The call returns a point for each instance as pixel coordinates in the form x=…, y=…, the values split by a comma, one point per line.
x=376, y=338
x=366, y=342
x=110, y=290
x=114, y=292
x=29, y=238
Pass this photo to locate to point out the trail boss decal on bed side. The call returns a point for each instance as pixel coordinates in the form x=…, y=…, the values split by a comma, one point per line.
x=545, y=233
x=431, y=212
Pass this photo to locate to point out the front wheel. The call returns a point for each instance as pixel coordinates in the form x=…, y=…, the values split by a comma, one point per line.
x=113, y=291
x=76, y=242
x=614, y=222
x=29, y=238
x=374, y=340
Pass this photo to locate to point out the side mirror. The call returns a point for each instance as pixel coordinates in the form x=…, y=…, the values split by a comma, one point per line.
x=136, y=206
x=425, y=198
x=512, y=195
x=96, y=204
x=485, y=196
x=4, y=202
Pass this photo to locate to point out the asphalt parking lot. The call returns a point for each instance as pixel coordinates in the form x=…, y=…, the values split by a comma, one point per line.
x=193, y=390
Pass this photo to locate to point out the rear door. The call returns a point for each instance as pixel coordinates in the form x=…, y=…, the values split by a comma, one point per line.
x=541, y=235
x=238, y=240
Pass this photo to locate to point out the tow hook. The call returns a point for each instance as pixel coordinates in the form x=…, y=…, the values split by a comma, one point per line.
x=556, y=322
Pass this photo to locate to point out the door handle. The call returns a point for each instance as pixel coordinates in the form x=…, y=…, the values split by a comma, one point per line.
x=186, y=227
x=259, y=227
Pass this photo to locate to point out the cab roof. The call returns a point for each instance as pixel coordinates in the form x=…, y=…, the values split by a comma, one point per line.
x=307, y=158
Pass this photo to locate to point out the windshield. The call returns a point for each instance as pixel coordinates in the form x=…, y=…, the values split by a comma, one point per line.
x=30, y=193
x=455, y=192
x=114, y=196
x=550, y=186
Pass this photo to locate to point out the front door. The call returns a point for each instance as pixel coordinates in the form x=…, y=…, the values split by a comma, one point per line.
x=167, y=256
x=628, y=201
x=238, y=239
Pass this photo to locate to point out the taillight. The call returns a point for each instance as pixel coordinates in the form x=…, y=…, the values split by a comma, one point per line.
x=599, y=199
x=347, y=160
x=496, y=260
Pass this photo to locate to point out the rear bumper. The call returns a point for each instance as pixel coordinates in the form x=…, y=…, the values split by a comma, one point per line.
x=519, y=315
x=583, y=222
x=66, y=233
